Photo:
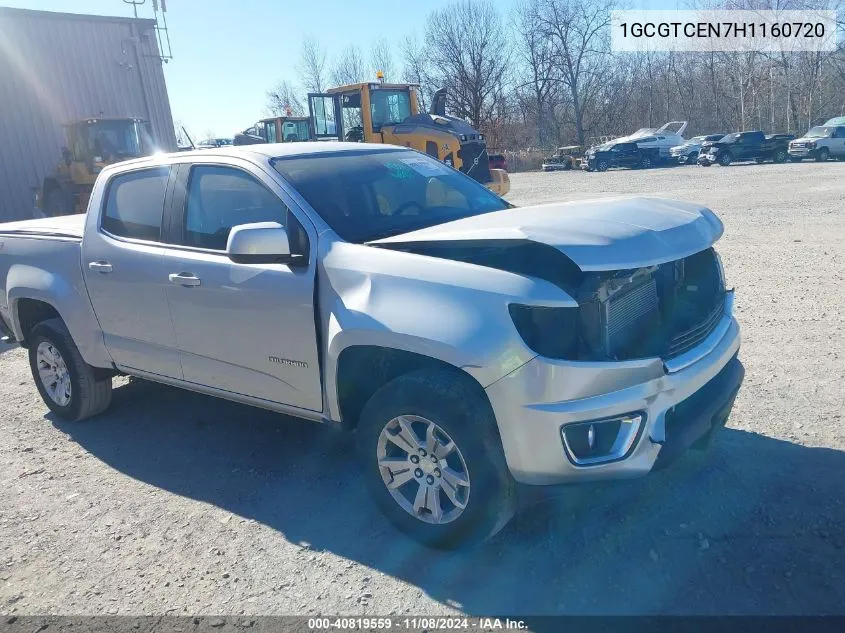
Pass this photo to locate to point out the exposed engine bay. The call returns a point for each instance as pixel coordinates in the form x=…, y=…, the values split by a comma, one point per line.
x=654, y=311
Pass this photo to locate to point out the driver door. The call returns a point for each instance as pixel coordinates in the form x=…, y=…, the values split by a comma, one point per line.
x=325, y=116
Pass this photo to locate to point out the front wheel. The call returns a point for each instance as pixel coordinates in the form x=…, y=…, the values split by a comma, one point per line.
x=725, y=159
x=781, y=155
x=822, y=155
x=602, y=165
x=70, y=387
x=433, y=460
x=645, y=162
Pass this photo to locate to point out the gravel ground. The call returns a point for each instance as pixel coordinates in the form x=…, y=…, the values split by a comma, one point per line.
x=175, y=503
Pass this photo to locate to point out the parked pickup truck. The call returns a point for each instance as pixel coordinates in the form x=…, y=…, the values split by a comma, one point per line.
x=472, y=345
x=620, y=155
x=821, y=142
x=745, y=146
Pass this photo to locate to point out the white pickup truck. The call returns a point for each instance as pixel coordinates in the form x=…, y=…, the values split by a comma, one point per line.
x=472, y=345
x=820, y=143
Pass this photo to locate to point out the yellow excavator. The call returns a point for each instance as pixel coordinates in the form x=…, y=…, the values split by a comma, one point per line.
x=389, y=113
x=91, y=145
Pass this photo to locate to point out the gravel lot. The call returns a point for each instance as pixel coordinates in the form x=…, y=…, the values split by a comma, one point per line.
x=177, y=503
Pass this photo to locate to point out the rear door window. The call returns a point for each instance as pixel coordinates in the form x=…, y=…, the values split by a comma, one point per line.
x=135, y=204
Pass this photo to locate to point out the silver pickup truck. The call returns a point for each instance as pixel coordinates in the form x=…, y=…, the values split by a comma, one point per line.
x=473, y=346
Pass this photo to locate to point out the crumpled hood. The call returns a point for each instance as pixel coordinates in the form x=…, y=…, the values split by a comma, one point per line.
x=606, y=234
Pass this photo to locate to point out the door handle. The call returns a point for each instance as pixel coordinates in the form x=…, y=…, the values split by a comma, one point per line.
x=184, y=279
x=100, y=267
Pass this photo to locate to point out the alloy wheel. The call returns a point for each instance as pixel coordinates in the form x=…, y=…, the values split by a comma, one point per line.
x=53, y=373
x=423, y=469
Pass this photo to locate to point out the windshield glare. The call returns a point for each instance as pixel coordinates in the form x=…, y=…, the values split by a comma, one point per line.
x=378, y=193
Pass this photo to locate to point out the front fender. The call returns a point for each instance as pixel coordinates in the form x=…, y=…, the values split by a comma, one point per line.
x=451, y=311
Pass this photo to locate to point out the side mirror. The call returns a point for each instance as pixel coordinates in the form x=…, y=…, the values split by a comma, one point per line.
x=260, y=243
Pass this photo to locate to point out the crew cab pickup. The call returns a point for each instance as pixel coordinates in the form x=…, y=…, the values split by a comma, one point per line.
x=470, y=344
x=745, y=146
x=620, y=155
x=821, y=143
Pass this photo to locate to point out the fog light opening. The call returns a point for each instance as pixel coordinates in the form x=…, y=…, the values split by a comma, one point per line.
x=601, y=441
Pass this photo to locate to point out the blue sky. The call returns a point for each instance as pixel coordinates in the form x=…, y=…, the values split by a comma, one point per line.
x=228, y=53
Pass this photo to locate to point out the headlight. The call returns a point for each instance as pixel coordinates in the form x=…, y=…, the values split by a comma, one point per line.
x=811, y=145
x=550, y=332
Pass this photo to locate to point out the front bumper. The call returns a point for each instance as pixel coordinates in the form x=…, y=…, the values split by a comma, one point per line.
x=682, y=400
x=802, y=152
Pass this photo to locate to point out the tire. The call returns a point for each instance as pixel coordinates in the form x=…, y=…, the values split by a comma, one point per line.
x=464, y=420
x=601, y=165
x=58, y=202
x=567, y=166
x=692, y=158
x=822, y=155
x=89, y=392
x=725, y=159
x=780, y=156
x=645, y=162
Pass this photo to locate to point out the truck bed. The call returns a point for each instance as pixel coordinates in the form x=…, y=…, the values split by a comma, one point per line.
x=66, y=227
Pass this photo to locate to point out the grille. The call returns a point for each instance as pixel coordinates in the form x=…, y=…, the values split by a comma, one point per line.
x=683, y=341
x=629, y=315
x=479, y=170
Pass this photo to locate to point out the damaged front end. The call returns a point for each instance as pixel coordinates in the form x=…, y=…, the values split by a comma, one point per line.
x=658, y=311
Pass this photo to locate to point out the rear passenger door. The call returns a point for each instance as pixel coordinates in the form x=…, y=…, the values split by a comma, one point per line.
x=247, y=329
x=125, y=275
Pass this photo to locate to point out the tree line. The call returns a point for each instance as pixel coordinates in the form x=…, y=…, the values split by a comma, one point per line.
x=544, y=75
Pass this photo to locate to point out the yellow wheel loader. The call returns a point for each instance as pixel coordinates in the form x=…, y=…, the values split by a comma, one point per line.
x=92, y=144
x=389, y=113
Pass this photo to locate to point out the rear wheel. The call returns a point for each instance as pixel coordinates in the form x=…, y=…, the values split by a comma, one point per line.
x=822, y=155
x=70, y=387
x=58, y=202
x=433, y=460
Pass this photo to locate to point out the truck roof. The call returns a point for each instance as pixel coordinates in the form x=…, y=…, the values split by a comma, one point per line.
x=269, y=150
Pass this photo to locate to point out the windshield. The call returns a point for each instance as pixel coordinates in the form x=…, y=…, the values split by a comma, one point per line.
x=295, y=131
x=389, y=107
x=730, y=138
x=107, y=140
x=378, y=193
x=820, y=132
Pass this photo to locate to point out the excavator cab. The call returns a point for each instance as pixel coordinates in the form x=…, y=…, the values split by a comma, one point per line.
x=282, y=129
x=91, y=145
x=389, y=113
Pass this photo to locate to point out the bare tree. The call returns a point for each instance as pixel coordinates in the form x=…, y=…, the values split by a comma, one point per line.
x=580, y=34
x=417, y=69
x=381, y=59
x=349, y=67
x=282, y=100
x=312, y=65
x=536, y=55
x=468, y=50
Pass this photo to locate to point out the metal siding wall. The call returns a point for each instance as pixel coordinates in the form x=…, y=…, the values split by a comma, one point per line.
x=56, y=68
